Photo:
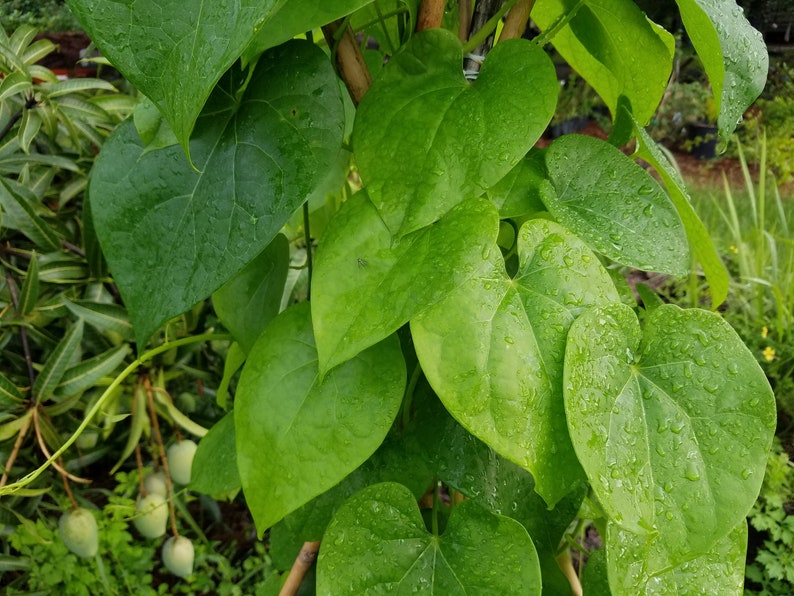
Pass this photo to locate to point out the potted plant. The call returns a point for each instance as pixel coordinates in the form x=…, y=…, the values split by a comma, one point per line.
x=574, y=106
x=686, y=119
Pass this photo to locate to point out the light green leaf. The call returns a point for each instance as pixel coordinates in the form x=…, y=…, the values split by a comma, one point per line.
x=639, y=565
x=235, y=357
x=58, y=361
x=615, y=48
x=177, y=417
x=103, y=317
x=296, y=436
x=448, y=140
x=156, y=45
x=366, y=286
x=518, y=193
x=377, y=543
x=246, y=303
x=733, y=54
x=699, y=239
x=19, y=214
x=650, y=413
x=172, y=235
x=614, y=205
x=215, y=462
x=10, y=395
x=293, y=18
x=14, y=83
x=493, y=351
x=70, y=86
x=86, y=374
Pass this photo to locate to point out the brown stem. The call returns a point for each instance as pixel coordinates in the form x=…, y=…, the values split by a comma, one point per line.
x=516, y=20
x=349, y=60
x=158, y=438
x=23, y=332
x=483, y=11
x=23, y=432
x=300, y=567
x=431, y=13
x=566, y=565
x=464, y=19
x=56, y=464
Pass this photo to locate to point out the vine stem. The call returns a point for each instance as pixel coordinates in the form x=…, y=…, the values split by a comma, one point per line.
x=99, y=404
x=158, y=439
x=349, y=60
x=516, y=20
x=482, y=39
x=300, y=567
x=431, y=13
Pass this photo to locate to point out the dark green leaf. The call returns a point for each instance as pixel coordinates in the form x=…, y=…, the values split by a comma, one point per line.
x=176, y=52
x=366, y=285
x=215, y=462
x=448, y=140
x=594, y=578
x=732, y=52
x=235, y=358
x=650, y=417
x=493, y=350
x=246, y=303
x=377, y=542
x=19, y=213
x=29, y=293
x=518, y=193
x=296, y=436
x=86, y=374
x=172, y=235
x=103, y=317
x=614, y=205
x=58, y=361
x=10, y=395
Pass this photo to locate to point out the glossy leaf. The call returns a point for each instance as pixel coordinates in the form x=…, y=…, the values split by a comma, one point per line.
x=377, y=542
x=615, y=48
x=296, y=436
x=638, y=565
x=214, y=470
x=614, y=205
x=173, y=235
x=733, y=54
x=156, y=45
x=448, y=140
x=518, y=193
x=699, y=239
x=366, y=286
x=493, y=351
x=246, y=303
x=651, y=413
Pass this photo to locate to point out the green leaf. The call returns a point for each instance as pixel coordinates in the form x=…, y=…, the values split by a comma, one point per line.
x=103, y=317
x=86, y=374
x=518, y=193
x=615, y=48
x=70, y=86
x=293, y=18
x=246, y=303
x=174, y=53
x=58, y=361
x=235, y=357
x=14, y=83
x=493, y=350
x=366, y=286
x=639, y=565
x=448, y=140
x=732, y=53
x=594, y=578
x=651, y=413
x=30, y=288
x=20, y=214
x=172, y=235
x=215, y=462
x=699, y=239
x=377, y=543
x=614, y=205
x=10, y=395
x=297, y=436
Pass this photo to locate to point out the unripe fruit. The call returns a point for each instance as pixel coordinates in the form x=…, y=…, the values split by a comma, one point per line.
x=154, y=483
x=79, y=532
x=152, y=515
x=178, y=555
x=180, y=460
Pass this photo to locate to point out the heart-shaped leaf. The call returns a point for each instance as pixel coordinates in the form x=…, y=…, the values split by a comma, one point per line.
x=650, y=415
x=448, y=140
x=296, y=436
x=191, y=42
x=638, y=565
x=377, y=542
x=173, y=235
x=366, y=286
x=614, y=205
x=601, y=43
x=493, y=351
x=733, y=54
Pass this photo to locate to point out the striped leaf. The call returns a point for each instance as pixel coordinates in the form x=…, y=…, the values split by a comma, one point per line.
x=55, y=366
x=86, y=374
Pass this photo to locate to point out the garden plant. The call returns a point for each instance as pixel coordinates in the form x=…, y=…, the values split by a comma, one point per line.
x=435, y=376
